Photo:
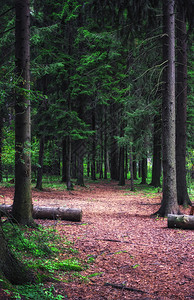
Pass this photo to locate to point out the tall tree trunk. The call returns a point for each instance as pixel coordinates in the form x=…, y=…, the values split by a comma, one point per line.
x=1, y=140
x=181, y=107
x=40, y=164
x=69, y=104
x=144, y=170
x=64, y=159
x=126, y=162
x=80, y=162
x=156, y=167
x=169, y=203
x=131, y=169
x=74, y=160
x=105, y=144
x=93, y=163
x=22, y=205
x=80, y=144
x=134, y=165
x=88, y=165
x=122, y=157
x=114, y=153
x=101, y=155
x=122, y=166
x=68, y=164
x=140, y=168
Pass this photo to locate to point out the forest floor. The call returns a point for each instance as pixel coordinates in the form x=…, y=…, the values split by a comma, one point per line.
x=133, y=255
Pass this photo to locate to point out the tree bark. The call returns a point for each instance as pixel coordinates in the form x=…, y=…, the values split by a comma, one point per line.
x=93, y=163
x=114, y=154
x=181, y=107
x=1, y=140
x=88, y=165
x=68, y=164
x=80, y=144
x=181, y=221
x=169, y=203
x=44, y=212
x=64, y=159
x=22, y=206
x=134, y=165
x=157, y=143
x=101, y=150
x=80, y=160
x=131, y=168
x=140, y=168
x=126, y=162
x=40, y=164
x=144, y=170
x=105, y=143
x=122, y=166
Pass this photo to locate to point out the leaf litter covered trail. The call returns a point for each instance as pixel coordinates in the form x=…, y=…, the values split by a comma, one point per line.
x=133, y=256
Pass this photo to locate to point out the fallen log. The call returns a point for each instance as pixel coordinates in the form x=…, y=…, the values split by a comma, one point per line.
x=123, y=287
x=46, y=212
x=180, y=221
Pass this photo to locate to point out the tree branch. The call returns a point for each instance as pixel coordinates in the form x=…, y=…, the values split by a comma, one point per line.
x=3, y=32
x=5, y=12
x=123, y=287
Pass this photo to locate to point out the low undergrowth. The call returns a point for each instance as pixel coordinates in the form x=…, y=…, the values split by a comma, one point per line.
x=48, y=254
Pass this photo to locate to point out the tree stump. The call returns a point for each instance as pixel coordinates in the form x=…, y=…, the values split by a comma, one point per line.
x=181, y=221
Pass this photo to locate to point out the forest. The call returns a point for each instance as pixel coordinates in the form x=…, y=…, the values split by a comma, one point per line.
x=96, y=149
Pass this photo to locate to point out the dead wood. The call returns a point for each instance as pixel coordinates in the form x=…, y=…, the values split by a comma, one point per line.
x=114, y=241
x=46, y=212
x=180, y=221
x=123, y=287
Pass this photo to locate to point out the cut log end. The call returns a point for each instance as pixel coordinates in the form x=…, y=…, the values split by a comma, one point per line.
x=180, y=221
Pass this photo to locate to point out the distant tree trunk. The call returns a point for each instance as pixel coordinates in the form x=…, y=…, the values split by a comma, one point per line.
x=88, y=165
x=122, y=166
x=169, y=203
x=181, y=106
x=68, y=164
x=80, y=161
x=1, y=139
x=144, y=170
x=93, y=163
x=156, y=167
x=10, y=267
x=74, y=160
x=134, y=167
x=114, y=156
x=69, y=104
x=22, y=205
x=105, y=144
x=101, y=158
x=80, y=145
x=57, y=162
x=126, y=162
x=122, y=158
x=64, y=159
x=140, y=168
x=131, y=169
x=40, y=164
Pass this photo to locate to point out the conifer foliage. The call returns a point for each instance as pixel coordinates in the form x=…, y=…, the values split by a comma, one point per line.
x=97, y=92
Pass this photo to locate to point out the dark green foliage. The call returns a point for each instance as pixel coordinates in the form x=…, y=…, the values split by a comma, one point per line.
x=85, y=56
x=40, y=250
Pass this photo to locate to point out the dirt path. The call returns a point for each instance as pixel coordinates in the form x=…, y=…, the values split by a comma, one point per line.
x=128, y=248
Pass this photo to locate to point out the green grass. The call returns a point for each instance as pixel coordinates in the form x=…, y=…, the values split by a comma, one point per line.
x=36, y=291
x=47, y=254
